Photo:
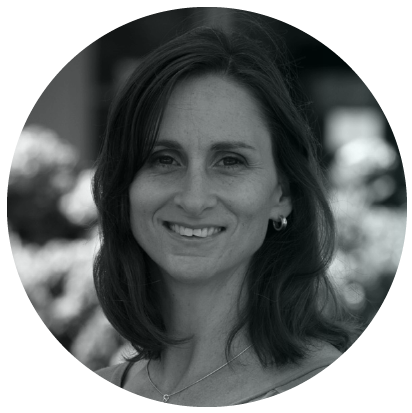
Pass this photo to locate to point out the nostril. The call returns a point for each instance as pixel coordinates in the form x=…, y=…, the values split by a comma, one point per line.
x=195, y=203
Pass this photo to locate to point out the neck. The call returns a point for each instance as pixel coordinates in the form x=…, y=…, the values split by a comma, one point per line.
x=199, y=311
x=205, y=314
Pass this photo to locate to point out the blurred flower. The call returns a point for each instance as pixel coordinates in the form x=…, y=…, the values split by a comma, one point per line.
x=370, y=243
x=57, y=277
x=41, y=151
x=370, y=233
x=78, y=205
x=45, y=169
x=96, y=342
x=381, y=188
x=50, y=209
x=360, y=158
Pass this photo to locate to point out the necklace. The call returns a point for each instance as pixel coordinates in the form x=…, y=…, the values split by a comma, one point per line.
x=166, y=397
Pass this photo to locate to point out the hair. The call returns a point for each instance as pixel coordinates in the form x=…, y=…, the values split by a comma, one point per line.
x=290, y=300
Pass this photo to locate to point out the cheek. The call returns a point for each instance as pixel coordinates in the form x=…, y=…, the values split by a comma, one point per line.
x=136, y=197
x=144, y=196
x=142, y=204
x=252, y=203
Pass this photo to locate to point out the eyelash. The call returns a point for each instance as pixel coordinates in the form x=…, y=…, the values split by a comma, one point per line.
x=238, y=162
x=156, y=161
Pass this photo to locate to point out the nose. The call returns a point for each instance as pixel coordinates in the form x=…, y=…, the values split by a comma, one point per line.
x=195, y=193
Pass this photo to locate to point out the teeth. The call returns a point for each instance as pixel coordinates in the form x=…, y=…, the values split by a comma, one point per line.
x=197, y=232
x=189, y=232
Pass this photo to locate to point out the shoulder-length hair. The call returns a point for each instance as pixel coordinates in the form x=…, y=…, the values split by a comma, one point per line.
x=288, y=288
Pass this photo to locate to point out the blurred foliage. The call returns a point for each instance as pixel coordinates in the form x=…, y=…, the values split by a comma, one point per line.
x=53, y=234
x=42, y=171
x=369, y=200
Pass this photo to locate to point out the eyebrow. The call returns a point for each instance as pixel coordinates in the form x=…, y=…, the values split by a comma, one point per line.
x=219, y=146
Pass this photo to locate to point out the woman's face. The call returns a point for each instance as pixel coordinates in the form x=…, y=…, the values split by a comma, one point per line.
x=200, y=206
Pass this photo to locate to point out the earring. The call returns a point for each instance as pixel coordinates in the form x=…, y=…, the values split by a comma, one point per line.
x=283, y=222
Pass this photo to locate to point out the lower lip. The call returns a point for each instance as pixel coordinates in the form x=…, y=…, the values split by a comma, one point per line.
x=192, y=238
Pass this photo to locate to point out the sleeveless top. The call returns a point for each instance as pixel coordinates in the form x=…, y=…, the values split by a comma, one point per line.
x=287, y=378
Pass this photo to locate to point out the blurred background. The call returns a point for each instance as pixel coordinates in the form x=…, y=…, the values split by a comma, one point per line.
x=52, y=218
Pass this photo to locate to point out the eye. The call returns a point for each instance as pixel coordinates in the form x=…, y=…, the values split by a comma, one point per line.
x=159, y=160
x=165, y=160
x=231, y=162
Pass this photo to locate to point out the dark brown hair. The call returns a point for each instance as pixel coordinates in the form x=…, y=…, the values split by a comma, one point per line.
x=290, y=299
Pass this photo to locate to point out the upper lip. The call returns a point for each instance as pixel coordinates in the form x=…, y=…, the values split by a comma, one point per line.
x=194, y=226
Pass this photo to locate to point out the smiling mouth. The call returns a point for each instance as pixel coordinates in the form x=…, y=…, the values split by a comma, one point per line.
x=193, y=232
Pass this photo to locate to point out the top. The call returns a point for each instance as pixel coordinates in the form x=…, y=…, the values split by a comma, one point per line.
x=287, y=377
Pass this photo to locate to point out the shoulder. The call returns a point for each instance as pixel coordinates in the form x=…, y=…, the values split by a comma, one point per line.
x=320, y=355
x=113, y=374
x=277, y=380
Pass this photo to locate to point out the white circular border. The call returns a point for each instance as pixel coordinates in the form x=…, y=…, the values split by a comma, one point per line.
x=38, y=39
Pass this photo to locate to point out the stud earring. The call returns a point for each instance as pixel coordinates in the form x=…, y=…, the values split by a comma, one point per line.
x=279, y=226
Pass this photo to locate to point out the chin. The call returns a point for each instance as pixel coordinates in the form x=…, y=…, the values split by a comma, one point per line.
x=187, y=270
x=199, y=270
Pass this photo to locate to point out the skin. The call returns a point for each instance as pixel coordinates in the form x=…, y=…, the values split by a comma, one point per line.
x=212, y=167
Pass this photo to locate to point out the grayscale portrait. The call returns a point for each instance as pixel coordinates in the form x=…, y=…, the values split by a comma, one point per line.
x=217, y=207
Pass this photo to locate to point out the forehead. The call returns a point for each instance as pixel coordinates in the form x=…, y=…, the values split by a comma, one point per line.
x=213, y=108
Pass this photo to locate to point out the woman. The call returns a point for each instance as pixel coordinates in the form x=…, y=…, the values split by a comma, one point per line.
x=216, y=232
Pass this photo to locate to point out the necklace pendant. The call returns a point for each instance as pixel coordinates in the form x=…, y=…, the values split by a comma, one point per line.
x=166, y=398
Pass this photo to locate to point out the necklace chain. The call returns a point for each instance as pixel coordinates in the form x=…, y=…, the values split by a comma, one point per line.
x=166, y=396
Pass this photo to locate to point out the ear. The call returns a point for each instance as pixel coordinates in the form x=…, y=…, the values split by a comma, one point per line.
x=282, y=202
